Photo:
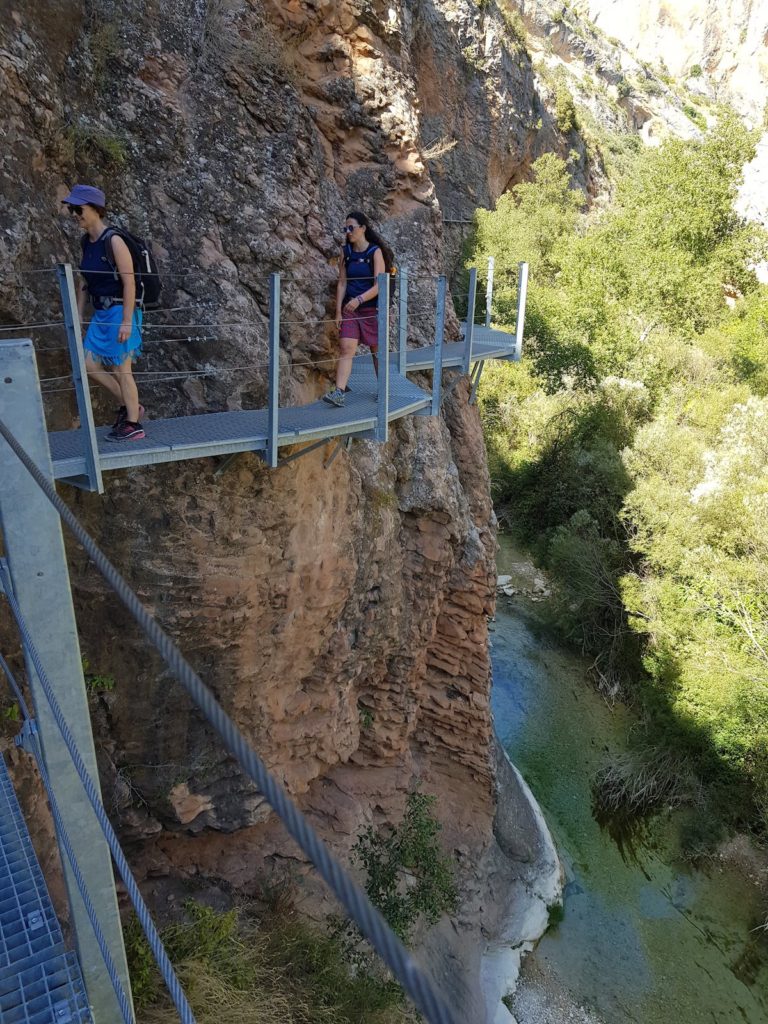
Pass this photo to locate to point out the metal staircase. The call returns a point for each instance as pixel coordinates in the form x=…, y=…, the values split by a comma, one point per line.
x=40, y=980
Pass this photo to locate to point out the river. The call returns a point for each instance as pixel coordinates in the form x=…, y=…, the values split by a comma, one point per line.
x=646, y=938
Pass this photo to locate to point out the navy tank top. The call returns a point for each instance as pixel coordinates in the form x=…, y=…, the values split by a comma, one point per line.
x=360, y=274
x=95, y=261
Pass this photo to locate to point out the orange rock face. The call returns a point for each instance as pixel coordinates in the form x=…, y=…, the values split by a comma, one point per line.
x=338, y=613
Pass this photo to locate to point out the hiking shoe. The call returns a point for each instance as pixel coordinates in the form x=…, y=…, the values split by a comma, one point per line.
x=127, y=431
x=122, y=416
x=335, y=397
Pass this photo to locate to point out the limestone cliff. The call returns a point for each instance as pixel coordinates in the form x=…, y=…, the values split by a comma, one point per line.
x=727, y=41
x=339, y=613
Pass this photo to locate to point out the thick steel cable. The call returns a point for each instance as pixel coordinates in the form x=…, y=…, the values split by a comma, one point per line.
x=61, y=831
x=367, y=918
x=94, y=798
x=23, y=706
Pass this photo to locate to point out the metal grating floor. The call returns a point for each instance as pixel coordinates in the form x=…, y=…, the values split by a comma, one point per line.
x=222, y=433
x=486, y=344
x=40, y=982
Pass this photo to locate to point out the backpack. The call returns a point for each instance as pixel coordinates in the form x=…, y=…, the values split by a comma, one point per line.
x=389, y=262
x=148, y=283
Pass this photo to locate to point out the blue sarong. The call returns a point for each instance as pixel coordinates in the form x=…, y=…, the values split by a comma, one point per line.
x=101, y=337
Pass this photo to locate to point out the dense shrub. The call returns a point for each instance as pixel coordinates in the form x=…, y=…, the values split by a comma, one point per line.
x=629, y=449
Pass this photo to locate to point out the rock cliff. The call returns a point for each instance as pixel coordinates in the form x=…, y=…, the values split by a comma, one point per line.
x=726, y=40
x=339, y=613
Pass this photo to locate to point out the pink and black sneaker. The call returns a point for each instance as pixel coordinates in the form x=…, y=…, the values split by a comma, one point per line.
x=122, y=415
x=127, y=431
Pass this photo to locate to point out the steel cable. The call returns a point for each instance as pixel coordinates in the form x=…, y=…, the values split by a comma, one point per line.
x=367, y=918
x=31, y=736
x=142, y=911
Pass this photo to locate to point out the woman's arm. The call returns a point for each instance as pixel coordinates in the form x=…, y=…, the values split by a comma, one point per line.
x=82, y=295
x=124, y=264
x=341, y=287
x=373, y=291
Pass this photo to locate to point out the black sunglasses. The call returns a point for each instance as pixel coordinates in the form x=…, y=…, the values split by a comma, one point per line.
x=76, y=211
x=350, y=228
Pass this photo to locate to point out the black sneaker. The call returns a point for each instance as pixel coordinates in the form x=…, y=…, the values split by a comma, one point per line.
x=127, y=431
x=122, y=416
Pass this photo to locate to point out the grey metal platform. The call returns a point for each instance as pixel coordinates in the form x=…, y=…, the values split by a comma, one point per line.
x=487, y=343
x=40, y=981
x=223, y=433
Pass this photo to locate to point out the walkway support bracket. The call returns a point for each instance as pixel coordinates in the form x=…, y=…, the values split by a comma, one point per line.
x=36, y=560
x=489, y=291
x=522, y=295
x=402, y=322
x=476, y=382
x=273, y=428
x=382, y=405
x=437, y=374
x=470, y=319
x=93, y=481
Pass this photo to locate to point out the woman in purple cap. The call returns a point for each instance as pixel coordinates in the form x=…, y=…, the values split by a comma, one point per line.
x=113, y=339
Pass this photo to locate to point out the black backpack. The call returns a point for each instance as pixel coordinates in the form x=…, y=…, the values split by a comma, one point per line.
x=148, y=283
x=389, y=263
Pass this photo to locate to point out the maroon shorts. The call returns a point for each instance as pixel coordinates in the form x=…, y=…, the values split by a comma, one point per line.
x=362, y=325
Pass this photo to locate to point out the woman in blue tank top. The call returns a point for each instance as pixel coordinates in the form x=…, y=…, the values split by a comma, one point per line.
x=113, y=339
x=362, y=260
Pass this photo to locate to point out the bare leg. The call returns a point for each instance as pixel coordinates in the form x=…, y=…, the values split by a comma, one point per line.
x=344, y=366
x=123, y=375
x=375, y=359
x=97, y=373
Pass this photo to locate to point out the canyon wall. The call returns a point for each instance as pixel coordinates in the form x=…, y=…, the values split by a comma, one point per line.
x=726, y=40
x=338, y=611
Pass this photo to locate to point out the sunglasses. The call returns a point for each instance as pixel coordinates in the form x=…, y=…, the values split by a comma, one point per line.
x=348, y=229
x=76, y=211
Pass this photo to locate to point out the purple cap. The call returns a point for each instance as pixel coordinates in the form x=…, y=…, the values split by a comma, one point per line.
x=82, y=194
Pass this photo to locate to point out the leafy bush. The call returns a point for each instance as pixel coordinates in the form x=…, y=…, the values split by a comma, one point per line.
x=628, y=449
x=695, y=115
x=407, y=875
x=696, y=71
x=565, y=109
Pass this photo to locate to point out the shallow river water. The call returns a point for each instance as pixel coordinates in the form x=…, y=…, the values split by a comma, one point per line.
x=644, y=938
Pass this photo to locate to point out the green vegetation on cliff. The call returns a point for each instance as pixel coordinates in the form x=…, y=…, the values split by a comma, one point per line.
x=630, y=448
x=236, y=968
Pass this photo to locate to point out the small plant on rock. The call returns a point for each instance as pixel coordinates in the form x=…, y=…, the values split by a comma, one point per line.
x=408, y=876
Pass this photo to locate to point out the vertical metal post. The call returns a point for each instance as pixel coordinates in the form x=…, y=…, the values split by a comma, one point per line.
x=402, y=323
x=522, y=292
x=34, y=548
x=468, y=334
x=382, y=404
x=437, y=375
x=273, y=425
x=489, y=291
x=80, y=375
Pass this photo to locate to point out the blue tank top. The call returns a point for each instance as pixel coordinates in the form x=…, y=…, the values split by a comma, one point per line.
x=359, y=266
x=100, y=285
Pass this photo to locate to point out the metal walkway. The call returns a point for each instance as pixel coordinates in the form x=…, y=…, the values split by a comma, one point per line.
x=40, y=981
x=224, y=433
x=486, y=344
x=80, y=456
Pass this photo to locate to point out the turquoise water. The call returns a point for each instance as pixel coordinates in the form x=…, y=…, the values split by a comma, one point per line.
x=646, y=938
